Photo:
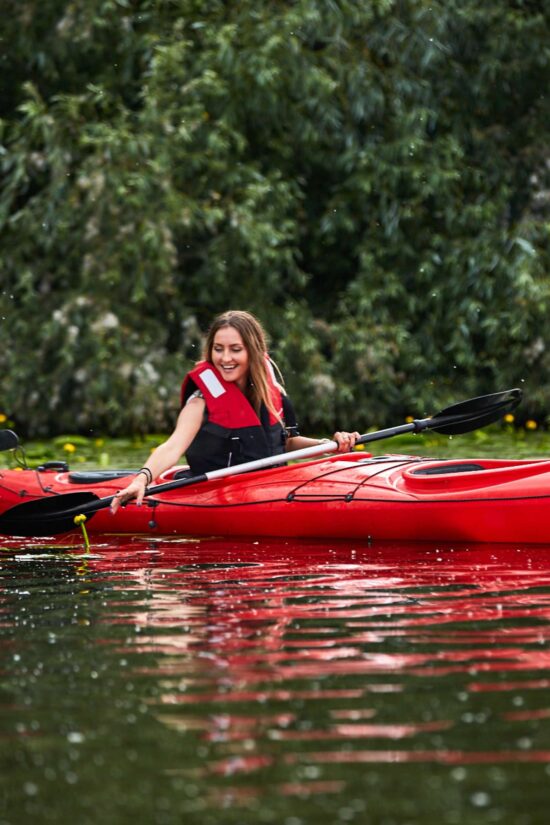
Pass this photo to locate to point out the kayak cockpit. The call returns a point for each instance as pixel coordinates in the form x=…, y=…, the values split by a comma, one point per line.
x=442, y=477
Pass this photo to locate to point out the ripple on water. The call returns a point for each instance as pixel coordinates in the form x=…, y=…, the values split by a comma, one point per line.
x=287, y=679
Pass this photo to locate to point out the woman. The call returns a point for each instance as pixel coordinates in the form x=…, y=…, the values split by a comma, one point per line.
x=233, y=409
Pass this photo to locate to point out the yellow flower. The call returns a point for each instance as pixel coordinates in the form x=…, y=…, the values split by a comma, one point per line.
x=530, y=424
x=99, y=442
x=69, y=448
x=3, y=418
x=509, y=418
x=409, y=419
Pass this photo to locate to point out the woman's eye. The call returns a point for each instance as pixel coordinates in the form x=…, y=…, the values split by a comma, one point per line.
x=220, y=350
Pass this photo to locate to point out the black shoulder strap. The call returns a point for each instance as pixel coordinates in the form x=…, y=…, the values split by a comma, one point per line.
x=190, y=388
x=289, y=415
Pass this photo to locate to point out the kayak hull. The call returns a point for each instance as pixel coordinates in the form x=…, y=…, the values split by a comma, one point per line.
x=342, y=497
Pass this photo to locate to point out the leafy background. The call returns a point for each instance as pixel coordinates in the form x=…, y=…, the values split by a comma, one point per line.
x=371, y=178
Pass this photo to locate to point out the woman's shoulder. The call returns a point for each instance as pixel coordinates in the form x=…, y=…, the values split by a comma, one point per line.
x=195, y=394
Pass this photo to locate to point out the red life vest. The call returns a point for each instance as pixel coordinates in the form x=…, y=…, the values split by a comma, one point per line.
x=232, y=433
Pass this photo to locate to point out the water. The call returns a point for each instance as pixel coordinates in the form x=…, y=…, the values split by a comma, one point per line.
x=214, y=681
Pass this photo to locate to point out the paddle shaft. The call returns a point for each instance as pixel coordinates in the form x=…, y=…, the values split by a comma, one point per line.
x=325, y=447
x=250, y=466
x=273, y=460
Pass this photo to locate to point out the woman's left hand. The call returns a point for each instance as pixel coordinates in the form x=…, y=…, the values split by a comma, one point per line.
x=346, y=441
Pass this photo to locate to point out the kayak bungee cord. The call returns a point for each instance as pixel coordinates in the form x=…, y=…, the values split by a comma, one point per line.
x=293, y=496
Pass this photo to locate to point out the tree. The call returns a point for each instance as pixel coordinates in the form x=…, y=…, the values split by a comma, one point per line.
x=369, y=178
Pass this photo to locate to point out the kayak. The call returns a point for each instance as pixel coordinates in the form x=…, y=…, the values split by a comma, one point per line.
x=343, y=496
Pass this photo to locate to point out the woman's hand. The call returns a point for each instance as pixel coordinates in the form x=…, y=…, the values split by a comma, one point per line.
x=166, y=454
x=136, y=489
x=346, y=441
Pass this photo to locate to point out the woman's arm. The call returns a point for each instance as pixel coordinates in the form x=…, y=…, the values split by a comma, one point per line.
x=295, y=441
x=166, y=454
x=300, y=442
x=346, y=441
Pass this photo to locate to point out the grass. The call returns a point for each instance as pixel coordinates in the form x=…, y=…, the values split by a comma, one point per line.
x=502, y=441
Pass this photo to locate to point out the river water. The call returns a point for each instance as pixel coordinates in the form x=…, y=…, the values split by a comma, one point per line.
x=216, y=681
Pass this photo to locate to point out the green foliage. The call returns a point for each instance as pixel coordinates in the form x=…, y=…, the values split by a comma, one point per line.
x=370, y=178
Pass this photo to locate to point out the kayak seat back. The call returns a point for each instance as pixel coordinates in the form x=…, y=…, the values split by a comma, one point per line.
x=98, y=476
x=448, y=468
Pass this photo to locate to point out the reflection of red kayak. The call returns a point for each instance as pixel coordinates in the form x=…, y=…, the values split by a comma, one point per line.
x=343, y=496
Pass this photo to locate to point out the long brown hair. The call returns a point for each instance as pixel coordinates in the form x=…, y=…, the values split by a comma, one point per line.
x=255, y=341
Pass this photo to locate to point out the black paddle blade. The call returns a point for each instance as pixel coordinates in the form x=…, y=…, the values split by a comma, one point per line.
x=43, y=517
x=8, y=440
x=475, y=413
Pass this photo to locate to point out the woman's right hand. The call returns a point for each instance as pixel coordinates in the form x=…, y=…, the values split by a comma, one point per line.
x=136, y=489
x=166, y=454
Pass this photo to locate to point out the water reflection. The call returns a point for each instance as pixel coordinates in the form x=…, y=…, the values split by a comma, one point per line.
x=286, y=680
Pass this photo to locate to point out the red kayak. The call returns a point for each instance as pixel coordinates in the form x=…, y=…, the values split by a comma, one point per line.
x=352, y=496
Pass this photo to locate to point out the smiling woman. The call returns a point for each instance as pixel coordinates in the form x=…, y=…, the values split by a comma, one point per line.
x=234, y=409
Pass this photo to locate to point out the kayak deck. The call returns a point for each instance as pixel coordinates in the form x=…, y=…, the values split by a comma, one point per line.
x=350, y=496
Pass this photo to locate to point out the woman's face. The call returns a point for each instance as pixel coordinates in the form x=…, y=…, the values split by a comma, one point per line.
x=230, y=356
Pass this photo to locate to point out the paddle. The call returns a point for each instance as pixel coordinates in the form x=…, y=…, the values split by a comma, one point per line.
x=8, y=440
x=55, y=514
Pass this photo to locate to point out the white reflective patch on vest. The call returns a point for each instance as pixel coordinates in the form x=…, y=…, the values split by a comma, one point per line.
x=213, y=384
